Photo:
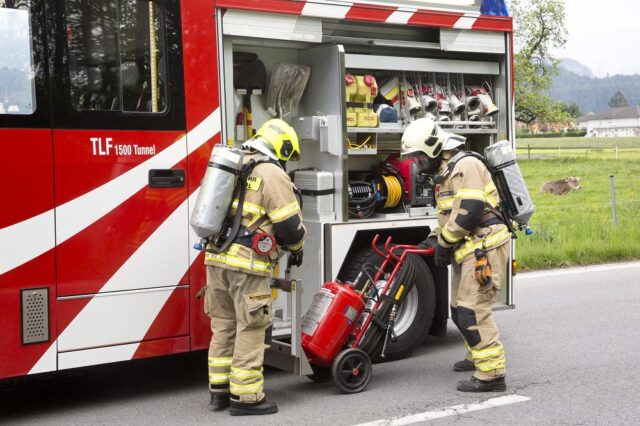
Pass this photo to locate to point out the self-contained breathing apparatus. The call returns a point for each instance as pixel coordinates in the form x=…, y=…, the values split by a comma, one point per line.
x=516, y=205
x=426, y=137
x=216, y=191
x=226, y=179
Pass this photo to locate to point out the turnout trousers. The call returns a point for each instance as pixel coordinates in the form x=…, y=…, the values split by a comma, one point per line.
x=239, y=305
x=471, y=311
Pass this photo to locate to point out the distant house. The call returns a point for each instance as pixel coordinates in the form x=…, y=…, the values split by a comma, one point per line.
x=611, y=123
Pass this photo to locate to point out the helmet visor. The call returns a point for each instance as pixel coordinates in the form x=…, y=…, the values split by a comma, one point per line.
x=288, y=152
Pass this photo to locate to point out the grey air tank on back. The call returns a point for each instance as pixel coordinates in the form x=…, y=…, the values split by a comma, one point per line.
x=514, y=196
x=216, y=191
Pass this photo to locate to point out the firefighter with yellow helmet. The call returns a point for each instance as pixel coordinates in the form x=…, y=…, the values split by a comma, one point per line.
x=473, y=238
x=238, y=297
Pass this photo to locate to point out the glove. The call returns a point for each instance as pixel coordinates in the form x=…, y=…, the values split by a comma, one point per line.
x=429, y=243
x=442, y=257
x=482, y=272
x=295, y=258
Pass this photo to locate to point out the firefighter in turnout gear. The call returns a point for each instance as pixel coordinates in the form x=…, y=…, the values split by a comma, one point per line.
x=238, y=297
x=473, y=238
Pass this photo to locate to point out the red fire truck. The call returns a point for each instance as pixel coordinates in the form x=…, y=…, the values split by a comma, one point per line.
x=108, y=114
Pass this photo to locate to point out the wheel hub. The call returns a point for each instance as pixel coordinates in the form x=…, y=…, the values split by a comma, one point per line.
x=407, y=312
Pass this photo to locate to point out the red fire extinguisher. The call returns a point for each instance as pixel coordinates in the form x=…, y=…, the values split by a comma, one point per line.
x=329, y=322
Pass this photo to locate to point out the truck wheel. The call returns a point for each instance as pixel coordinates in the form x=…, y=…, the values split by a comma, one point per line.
x=417, y=310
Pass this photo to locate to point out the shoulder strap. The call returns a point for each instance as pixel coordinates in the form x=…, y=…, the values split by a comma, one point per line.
x=246, y=172
x=499, y=212
x=241, y=191
x=459, y=156
x=251, y=164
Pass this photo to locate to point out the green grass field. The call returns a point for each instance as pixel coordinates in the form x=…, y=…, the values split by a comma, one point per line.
x=587, y=148
x=577, y=229
x=593, y=142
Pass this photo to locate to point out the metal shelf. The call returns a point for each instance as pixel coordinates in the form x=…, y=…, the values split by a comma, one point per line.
x=367, y=151
x=400, y=130
x=400, y=63
x=375, y=129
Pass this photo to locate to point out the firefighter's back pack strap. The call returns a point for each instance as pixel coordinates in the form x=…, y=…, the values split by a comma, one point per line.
x=498, y=212
x=492, y=217
x=237, y=220
x=225, y=168
x=234, y=229
x=505, y=219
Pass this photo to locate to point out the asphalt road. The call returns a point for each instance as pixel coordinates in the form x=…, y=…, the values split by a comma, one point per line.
x=572, y=350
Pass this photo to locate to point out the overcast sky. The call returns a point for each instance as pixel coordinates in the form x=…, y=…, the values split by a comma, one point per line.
x=604, y=35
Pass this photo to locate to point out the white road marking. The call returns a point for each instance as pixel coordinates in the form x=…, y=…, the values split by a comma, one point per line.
x=578, y=270
x=450, y=411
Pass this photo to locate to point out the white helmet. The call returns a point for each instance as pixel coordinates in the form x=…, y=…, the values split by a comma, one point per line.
x=426, y=136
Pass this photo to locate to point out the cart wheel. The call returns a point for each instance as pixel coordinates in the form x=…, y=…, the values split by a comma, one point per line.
x=351, y=370
x=320, y=374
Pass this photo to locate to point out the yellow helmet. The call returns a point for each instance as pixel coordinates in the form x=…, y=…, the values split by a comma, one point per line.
x=276, y=139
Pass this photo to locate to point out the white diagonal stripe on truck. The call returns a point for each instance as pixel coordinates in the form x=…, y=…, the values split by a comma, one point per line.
x=156, y=262
x=17, y=242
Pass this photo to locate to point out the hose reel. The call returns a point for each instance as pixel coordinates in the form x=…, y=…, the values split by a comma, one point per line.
x=389, y=191
x=362, y=199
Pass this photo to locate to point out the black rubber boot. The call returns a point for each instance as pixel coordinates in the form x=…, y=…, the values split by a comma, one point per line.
x=464, y=365
x=219, y=401
x=253, y=408
x=477, y=385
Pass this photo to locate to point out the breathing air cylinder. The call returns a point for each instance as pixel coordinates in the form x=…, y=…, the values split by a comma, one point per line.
x=329, y=321
x=514, y=195
x=216, y=191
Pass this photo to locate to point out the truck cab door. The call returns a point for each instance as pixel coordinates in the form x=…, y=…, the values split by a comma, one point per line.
x=27, y=233
x=120, y=168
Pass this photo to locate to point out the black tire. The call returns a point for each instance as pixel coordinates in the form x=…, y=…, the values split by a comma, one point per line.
x=351, y=370
x=320, y=374
x=423, y=282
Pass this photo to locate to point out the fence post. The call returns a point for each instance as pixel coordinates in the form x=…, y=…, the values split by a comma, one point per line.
x=613, y=201
x=587, y=154
x=528, y=151
x=558, y=151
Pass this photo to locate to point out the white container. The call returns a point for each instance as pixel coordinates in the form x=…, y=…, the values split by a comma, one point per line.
x=317, y=191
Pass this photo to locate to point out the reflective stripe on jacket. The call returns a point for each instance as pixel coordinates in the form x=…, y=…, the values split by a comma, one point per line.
x=270, y=199
x=463, y=199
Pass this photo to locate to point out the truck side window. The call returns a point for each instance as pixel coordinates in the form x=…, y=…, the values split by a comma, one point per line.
x=17, y=73
x=116, y=55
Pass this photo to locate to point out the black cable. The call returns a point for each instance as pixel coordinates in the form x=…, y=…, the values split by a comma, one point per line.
x=377, y=268
x=373, y=338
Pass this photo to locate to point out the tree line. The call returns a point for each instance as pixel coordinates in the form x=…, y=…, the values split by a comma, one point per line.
x=592, y=94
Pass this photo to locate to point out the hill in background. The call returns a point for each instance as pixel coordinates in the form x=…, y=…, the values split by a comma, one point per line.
x=576, y=67
x=576, y=83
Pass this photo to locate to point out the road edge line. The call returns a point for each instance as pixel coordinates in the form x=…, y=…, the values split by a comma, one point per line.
x=449, y=411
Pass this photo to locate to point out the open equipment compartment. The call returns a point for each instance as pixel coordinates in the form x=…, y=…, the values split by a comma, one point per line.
x=332, y=48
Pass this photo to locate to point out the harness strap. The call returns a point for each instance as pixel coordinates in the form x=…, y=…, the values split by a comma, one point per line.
x=491, y=218
x=498, y=213
x=225, y=168
x=242, y=190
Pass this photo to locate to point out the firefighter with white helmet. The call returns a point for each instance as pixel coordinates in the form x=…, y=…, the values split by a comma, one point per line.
x=238, y=297
x=473, y=238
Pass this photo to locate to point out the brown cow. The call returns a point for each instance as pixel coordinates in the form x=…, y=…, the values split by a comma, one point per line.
x=562, y=186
